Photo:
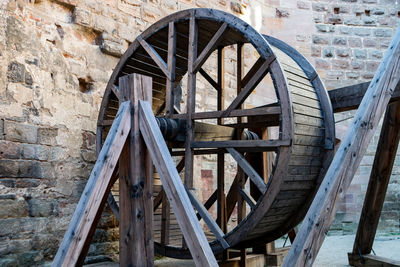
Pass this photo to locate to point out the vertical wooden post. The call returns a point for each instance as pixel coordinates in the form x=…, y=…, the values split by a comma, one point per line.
x=135, y=185
x=379, y=180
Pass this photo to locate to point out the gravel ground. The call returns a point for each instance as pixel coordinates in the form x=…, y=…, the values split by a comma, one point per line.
x=332, y=254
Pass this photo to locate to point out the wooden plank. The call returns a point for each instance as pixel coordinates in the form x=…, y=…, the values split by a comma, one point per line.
x=135, y=182
x=212, y=44
x=349, y=97
x=177, y=196
x=190, y=103
x=265, y=111
x=165, y=220
x=247, y=197
x=77, y=238
x=347, y=159
x=371, y=261
x=378, y=180
x=249, y=87
x=155, y=56
x=212, y=225
x=171, y=61
x=248, y=169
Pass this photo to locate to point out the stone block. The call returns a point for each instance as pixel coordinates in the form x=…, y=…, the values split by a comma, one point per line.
x=128, y=33
x=13, y=208
x=82, y=17
x=282, y=13
x=338, y=40
x=319, y=39
x=303, y=5
x=370, y=1
x=378, y=11
x=237, y=7
x=353, y=75
x=362, y=31
x=27, y=258
x=202, y=3
x=19, y=132
x=89, y=155
x=369, y=21
x=343, y=52
x=328, y=52
x=334, y=75
x=325, y=28
x=47, y=136
x=112, y=46
x=104, y=24
x=36, y=152
x=9, y=168
x=354, y=42
x=352, y=21
x=47, y=244
x=322, y=64
x=357, y=65
x=375, y=54
x=370, y=42
x=360, y=54
x=319, y=7
x=368, y=75
x=151, y=13
x=340, y=64
x=42, y=207
x=315, y=51
x=334, y=19
x=345, y=30
x=9, y=150
x=382, y=32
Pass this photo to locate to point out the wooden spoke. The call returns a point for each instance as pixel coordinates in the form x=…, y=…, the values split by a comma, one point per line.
x=247, y=197
x=208, y=204
x=169, y=93
x=210, y=79
x=115, y=90
x=158, y=200
x=155, y=56
x=248, y=169
x=252, y=145
x=210, y=47
x=267, y=111
x=190, y=106
x=256, y=66
x=207, y=219
x=250, y=85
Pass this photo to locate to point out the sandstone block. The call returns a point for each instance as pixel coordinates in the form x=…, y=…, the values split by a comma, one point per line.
x=345, y=30
x=343, y=52
x=352, y=75
x=47, y=136
x=150, y=13
x=325, y=28
x=104, y=24
x=19, y=132
x=82, y=17
x=42, y=207
x=8, y=262
x=9, y=168
x=112, y=46
x=375, y=54
x=13, y=208
x=360, y=54
x=319, y=7
x=372, y=65
x=328, y=52
x=237, y=7
x=303, y=5
x=352, y=21
x=370, y=42
x=315, y=51
x=36, y=152
x=9, y=150
x=339, y=40
x=322, y=64
x=382, y=32
x=319, y=39
x=369, y=21
x=340, y=64
x=89, y=155
x=362, y=31
x=355, y=42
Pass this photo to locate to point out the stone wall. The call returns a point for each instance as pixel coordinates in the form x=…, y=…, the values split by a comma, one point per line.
x=55, y=59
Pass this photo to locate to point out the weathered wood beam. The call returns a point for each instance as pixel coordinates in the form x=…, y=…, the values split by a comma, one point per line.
x=212, y=225
x=248, y=145
x=155, y=56
x=171, y=66
x=212, y=44
x=346, y=160
x=209, y=79
x=248, y=169
x=75, y=244
x=136, y=246
x=378, y=180
x=172, y=184
x=371, y=261
x=247, y=197
x=349, y=97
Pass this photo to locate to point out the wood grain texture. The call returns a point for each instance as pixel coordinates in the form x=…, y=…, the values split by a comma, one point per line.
x=347, y=159
x=371, y=261
x=177, y=196
x=378, y=180
x=136, y=247
x=76, y=240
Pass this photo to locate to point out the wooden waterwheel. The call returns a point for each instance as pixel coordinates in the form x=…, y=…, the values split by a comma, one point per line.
x=281, y=144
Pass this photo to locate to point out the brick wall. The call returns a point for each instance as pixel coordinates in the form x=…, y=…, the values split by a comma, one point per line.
x=55, y=60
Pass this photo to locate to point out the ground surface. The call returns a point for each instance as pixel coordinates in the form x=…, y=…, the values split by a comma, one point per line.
x=332, y=254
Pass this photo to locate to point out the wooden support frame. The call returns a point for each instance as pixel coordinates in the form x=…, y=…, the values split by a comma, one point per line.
x=377, y=187
x=136, y=246
x=76, y=241
x=177, y=196
x=347, y=159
